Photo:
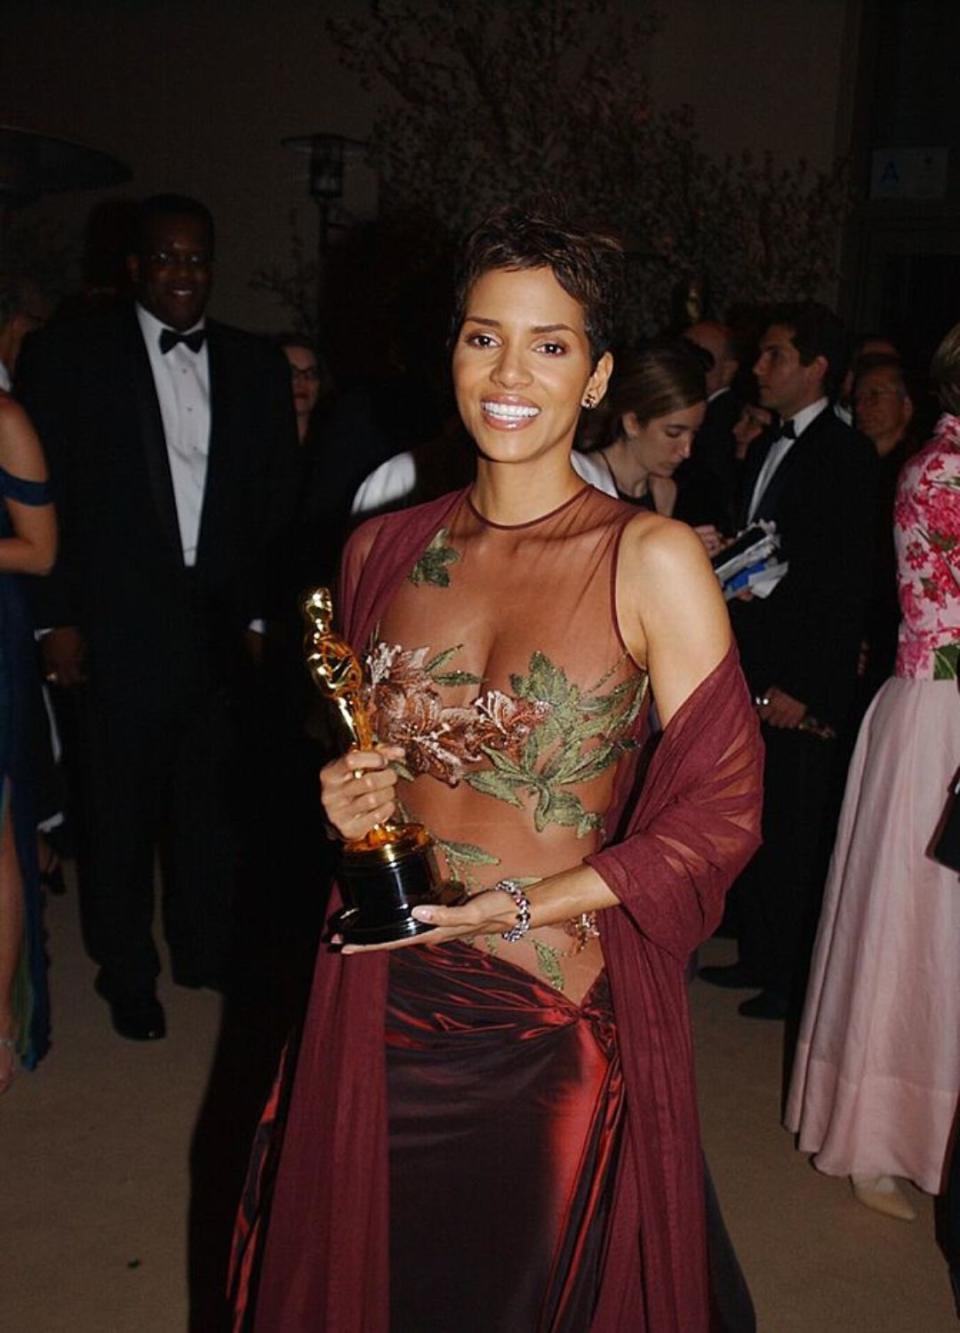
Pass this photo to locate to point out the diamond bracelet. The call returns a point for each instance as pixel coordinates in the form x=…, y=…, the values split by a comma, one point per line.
x=522, y=903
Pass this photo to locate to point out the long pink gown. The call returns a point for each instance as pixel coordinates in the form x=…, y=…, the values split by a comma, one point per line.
x=877, y=1074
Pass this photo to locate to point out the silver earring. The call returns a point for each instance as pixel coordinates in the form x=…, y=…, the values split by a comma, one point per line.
x=589, y=400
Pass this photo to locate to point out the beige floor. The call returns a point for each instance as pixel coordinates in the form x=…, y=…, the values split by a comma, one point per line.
x=95, y=1179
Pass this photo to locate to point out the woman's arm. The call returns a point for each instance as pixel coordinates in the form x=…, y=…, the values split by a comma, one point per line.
x=671, y=612
x=33, y=546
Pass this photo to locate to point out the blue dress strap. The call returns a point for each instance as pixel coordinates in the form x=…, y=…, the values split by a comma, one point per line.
x=24, y=492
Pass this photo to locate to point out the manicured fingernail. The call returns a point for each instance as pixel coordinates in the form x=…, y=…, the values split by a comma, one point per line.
x=423, y=914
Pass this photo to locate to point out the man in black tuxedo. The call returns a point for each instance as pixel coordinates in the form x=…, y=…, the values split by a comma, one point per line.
x=172, y=447
x=815, y=478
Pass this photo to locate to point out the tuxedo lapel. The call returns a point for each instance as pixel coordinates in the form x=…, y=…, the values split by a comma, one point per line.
x=152, y=439
x=778, y=483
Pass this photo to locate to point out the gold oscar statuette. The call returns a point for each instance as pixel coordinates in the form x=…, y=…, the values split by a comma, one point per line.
x=392, y=869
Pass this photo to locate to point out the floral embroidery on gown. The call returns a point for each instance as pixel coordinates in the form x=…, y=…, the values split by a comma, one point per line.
x=513, y=725
x=498, y=666
x=926, y=521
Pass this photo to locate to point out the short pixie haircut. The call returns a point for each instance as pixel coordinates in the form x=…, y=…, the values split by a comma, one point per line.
x=589, y=266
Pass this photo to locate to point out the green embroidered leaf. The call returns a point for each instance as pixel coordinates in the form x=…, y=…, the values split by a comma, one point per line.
x=945, y=661
x=502, y=762
x=431, y=567
x=456, y=678
x=557, y=807
x=548, y=964
x=494, y=784
x=943, y=541
x=547, y=683
x=467, y=852
x=441, y=659
x=589, y=821
x=592, y=764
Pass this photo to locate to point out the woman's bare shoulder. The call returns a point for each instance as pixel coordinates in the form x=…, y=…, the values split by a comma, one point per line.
x=654, y=544
x=20, y=451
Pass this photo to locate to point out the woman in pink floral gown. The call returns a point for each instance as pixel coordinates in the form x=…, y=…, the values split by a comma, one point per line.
x=877, y=1074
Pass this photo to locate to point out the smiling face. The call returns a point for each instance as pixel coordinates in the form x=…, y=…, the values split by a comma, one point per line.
x=522, y=366
x=662, y=444
x=786, y=385
x=173, y=272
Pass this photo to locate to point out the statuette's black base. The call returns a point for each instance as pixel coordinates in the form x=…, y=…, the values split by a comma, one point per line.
x=380, y=889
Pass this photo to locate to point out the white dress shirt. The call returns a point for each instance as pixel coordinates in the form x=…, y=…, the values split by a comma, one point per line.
x=182, y=381
x=779, y=450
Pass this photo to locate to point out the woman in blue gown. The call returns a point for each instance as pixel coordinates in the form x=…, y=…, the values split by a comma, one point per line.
x=28, y=539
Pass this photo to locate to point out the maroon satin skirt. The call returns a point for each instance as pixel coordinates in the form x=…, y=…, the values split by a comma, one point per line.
x=505, y=1115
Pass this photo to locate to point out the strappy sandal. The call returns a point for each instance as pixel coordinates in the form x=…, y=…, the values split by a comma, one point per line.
x=7, y=1044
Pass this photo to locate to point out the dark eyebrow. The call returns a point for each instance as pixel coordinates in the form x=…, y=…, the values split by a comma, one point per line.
x=537, y=328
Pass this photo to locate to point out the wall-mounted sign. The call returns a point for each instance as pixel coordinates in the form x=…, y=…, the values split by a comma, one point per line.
x=909, y=173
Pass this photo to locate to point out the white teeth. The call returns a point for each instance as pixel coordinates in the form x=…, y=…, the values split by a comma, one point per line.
x=509, y=411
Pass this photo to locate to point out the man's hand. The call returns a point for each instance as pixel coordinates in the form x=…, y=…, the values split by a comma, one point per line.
x=781, y=709
x=63, y=653
x=713, y=540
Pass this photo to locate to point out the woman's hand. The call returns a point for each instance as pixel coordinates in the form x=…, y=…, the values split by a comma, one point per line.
x=491, y=911
x=487, y=913
x=359, y=790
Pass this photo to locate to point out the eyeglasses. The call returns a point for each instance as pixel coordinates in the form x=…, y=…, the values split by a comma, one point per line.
x=304, y=373
x=173, y=259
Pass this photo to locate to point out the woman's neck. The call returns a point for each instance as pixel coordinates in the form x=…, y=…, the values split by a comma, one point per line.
x=513, y=493
x=629, y=473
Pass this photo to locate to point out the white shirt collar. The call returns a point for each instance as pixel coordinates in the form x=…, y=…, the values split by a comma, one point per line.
x=717, y=393
x=151, y=327
x=807, y=415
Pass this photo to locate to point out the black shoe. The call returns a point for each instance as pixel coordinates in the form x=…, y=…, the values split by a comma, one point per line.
x=765, y=1005
x=734, y=976
x=138, y=1018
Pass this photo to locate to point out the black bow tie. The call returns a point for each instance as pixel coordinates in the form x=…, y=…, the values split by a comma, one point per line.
x=170, y=337
x=788, y=430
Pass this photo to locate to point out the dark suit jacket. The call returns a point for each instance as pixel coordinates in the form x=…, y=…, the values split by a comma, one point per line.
x=708, y=481
x=805, y=637
x=155, y=629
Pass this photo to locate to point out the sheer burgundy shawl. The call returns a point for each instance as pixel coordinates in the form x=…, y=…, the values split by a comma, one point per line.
x=325, y=1257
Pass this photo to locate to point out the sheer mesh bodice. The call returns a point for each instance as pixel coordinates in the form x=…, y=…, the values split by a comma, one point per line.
x=500, y=668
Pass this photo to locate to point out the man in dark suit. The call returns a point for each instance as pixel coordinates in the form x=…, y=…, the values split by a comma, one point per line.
x=172, y=447
x=815, y=478
x=707, y=480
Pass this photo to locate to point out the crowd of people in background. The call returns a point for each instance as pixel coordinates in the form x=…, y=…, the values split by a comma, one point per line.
x=168, y=487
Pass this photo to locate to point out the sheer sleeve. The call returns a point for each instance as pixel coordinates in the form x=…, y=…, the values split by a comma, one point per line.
x=697, y=820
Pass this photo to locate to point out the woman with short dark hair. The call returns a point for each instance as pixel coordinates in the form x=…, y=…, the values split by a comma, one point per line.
x=493, y=1124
